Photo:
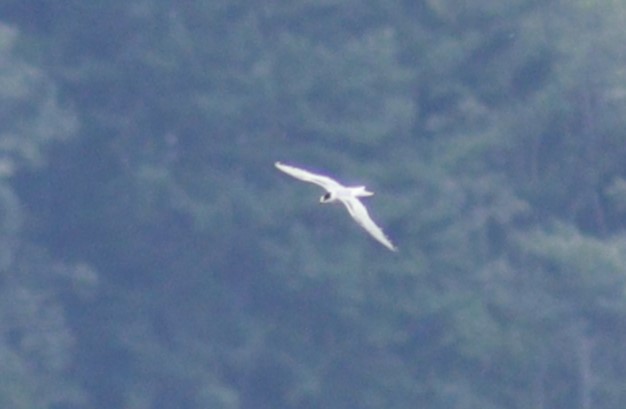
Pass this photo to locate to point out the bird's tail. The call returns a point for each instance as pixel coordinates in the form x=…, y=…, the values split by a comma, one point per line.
x=360, y=191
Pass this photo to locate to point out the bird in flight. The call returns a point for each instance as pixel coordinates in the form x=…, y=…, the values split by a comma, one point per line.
x=347, y=195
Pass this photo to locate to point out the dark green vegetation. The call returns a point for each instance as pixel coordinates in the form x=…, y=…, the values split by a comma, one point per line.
x=152, y=257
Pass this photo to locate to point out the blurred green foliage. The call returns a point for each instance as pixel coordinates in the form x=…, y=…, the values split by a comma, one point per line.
x=152, y=257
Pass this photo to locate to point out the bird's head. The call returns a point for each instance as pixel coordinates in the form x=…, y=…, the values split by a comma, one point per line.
x=327, y=197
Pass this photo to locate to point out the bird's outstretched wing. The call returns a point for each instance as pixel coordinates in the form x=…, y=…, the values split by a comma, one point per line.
x=360, y=214
x=323, y=181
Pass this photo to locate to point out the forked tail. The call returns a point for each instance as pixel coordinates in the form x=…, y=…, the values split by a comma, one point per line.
x=360, y=191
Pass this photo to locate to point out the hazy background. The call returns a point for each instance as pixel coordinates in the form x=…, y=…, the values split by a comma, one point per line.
x=152, y=257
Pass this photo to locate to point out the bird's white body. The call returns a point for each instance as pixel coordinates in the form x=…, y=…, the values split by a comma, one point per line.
x=348, y=195
x=345, y=193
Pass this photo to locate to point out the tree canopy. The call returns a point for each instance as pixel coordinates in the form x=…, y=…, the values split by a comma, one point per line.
x=152, y=256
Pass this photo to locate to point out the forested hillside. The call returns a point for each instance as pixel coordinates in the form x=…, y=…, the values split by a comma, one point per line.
x=151, y=256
